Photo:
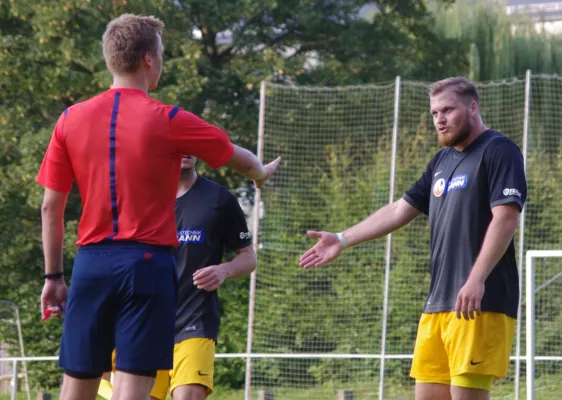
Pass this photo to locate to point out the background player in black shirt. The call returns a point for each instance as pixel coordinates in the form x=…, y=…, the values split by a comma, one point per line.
x=209, y=220
x=473, y=191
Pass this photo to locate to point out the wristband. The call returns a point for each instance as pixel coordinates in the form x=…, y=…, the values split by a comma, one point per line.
x=54, y=275
x=343, y=242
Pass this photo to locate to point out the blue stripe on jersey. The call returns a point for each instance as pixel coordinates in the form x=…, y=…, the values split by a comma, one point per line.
x=65, y=111
x=112, y=180
x=174, y=111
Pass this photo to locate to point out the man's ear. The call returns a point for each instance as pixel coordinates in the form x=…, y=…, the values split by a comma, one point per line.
x=148, y=58
x=474, y=107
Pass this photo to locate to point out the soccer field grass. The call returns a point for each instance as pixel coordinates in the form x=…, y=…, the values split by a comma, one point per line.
x=546, y=389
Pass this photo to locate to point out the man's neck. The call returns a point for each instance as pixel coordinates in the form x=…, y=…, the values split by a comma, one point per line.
x=130, y=82
x=187, y=179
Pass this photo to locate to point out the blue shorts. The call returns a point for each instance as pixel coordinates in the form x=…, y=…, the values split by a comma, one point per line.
x=123, y=296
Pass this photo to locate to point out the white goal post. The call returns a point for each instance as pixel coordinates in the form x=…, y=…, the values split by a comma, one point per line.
x=530, y=291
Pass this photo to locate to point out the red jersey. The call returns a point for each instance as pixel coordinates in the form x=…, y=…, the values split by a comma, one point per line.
x=124, y=150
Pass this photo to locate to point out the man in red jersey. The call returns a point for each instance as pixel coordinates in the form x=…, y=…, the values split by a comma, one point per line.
x=124, y=150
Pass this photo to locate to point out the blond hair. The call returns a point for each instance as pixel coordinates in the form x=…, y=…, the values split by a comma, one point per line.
x=463, y=87
x=127, y=39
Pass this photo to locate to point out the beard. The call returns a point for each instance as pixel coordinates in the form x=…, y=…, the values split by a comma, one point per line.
x=453, y=139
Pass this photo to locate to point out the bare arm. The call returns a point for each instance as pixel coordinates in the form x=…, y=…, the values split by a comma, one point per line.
x=242, y=265
x=212, y=277
x=498, y=236
x=382, y=222
x=53, y=296
x=247, y=164
x=52, y=216
x=496, y=241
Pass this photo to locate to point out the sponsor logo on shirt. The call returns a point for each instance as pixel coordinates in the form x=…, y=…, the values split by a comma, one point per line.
x=457, y=182
x=511, y=192
x=442, y=186
x=245, y=235
x=191, y=236
x=439, y=187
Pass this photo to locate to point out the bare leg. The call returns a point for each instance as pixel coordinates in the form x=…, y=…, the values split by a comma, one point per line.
x=79, y=389
x=461, y=393
x=190, y=392
x=131, y=387
x=433, y=391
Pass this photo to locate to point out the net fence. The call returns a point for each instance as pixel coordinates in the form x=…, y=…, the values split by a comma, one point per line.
x=348, y=329
x=548, y=320
x=337, y=145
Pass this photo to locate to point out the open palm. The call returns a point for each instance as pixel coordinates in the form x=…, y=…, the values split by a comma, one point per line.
x=324, y=251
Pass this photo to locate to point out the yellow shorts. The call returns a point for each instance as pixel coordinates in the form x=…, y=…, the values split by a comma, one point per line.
x=194, y=364
x=462, y=353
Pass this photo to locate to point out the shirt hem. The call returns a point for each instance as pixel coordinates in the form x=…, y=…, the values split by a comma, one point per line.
x=55, y=187
x=225, y=158
x=97, y=240
x=508, y=200
x=435, y=310
x=241, y=246
x=185, y=336
x=413, y=203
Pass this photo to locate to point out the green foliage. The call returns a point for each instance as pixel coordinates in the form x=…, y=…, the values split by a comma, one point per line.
x=337, y=146
x=50, y=58
x=500, y=45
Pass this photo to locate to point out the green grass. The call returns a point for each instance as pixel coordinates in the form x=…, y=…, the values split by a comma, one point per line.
x=222, y=394
x=23, y=396
x=547, y=388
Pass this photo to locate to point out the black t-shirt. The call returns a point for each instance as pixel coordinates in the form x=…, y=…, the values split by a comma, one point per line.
x=209, y=221
x=458, y=191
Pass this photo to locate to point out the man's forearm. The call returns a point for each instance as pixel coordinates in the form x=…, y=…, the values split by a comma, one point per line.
x=53, y=237
x=382, y=222
x=257, y=171
x=246, y=163
x=498, y=236
x=240, y=266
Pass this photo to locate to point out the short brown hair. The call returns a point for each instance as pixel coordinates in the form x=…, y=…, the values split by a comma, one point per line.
x=459, y=84
x=127, y=39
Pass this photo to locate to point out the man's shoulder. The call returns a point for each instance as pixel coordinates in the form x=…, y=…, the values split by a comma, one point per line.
x=140, y=101
x=91, y=105
x=224, y=195
x=499, y=140
x=84, y=104
x=205, y=189
x=208, y=184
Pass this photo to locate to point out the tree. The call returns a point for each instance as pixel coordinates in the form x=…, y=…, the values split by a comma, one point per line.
x=50, y=59
x=501, y=45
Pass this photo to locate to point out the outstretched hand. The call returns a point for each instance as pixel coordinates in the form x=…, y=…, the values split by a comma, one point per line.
x=324, y=251
x=270, y=169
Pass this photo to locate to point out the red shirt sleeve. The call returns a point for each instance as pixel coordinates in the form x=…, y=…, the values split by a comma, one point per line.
x=56, y=170
x=193, y=136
